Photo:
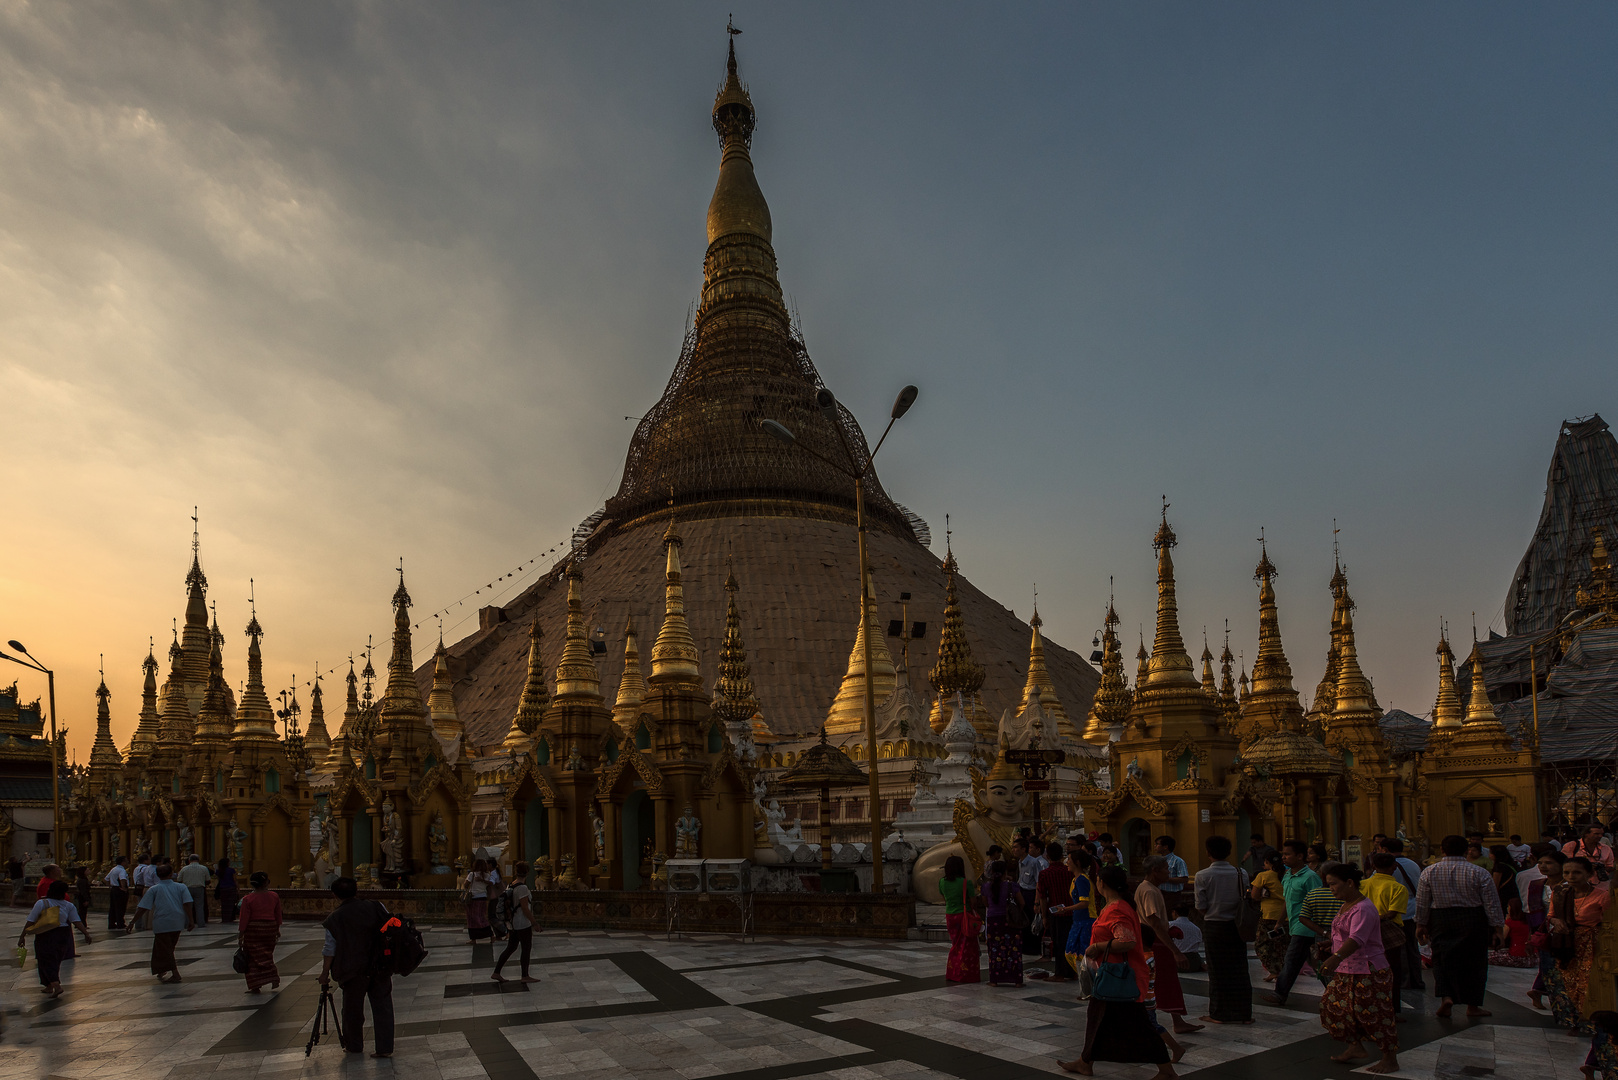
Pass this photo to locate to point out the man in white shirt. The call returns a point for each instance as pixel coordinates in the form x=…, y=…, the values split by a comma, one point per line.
x=194, y=876
x=118, y=890
x=1518, y=851
x=145, y=878
x=1029, y=866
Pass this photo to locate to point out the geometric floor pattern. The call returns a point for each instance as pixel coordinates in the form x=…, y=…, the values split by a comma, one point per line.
x=610, y=1006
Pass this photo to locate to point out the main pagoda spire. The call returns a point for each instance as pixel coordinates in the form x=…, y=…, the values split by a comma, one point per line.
x=700, y=447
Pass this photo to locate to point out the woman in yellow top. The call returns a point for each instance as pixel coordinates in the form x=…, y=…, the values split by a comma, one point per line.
x=1270, y=943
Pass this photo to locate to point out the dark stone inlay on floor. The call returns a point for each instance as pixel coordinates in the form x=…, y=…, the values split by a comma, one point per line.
x=180, y=961
x=460, y=990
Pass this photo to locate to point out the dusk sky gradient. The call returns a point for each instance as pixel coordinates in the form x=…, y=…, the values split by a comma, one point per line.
x=376, y=280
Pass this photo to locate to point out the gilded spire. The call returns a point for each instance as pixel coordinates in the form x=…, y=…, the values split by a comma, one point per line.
x=104, y=753
x=1479, y=711
x=738, y=204
x=674, y=653
x=402, y=707
x=1169, y=664
x=576, y=671
x=1447, y=712
x=195, y=638
x=1110, y=709
x=1353, y=688
x=441, y=701
x=531, y=706
x=1209, y=686
x=213, y=721
x=632, y=684
x=847, y=713
x=1326, y=693
x=175, y=729
x=954, y=670
x=149, y=724
x=342, y=745
x=255, y=719
x=316, y=739
x=1039, y=687
x=1274, y=703
x=735, y=703
x=1142, y=658
x=1230, y=708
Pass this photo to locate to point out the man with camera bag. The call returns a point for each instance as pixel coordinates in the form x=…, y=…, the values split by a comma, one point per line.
x=353, y=940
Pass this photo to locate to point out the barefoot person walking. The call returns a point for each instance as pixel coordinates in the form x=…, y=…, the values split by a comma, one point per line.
x=51, y=922
x=1458, y=911
x=1118, y=1026
x=1357, y=1005
x=258, y=928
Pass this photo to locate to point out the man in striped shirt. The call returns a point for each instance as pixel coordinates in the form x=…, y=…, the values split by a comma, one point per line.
x=1458, y=911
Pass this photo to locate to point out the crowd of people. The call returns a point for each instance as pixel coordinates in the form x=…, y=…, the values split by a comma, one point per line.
x=1362, y=933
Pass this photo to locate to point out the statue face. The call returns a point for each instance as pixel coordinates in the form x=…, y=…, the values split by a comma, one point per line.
x=1006, y=798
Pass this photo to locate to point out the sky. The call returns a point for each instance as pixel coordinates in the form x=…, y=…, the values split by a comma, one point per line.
x=372, y=281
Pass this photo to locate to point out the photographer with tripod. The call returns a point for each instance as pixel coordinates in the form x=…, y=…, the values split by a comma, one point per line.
x=352, y=933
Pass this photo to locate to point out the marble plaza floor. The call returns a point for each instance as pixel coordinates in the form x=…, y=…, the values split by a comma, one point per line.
x=632, y=1005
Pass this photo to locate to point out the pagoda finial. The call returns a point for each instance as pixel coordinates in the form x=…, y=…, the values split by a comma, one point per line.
x=1272, y=674
x=1110, y=709
x=535, y=698
x=735, y=701
x=632, y=684
x=1169, y=664
x=1447, y=711
x=104, y=756
x=255, y=719
x=847, y=713
x=576, y=670
x=441, y=713
x=674, y=653
x=1039, y=686
x=954, y=670
x=1479, y=710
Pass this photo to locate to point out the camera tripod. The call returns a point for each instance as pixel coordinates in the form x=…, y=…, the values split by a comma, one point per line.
x=324, y=1012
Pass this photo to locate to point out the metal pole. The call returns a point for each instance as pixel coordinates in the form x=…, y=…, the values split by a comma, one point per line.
x=870, y=690
x=56, y=792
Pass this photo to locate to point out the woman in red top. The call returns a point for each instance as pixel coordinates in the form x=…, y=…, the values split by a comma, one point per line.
x=258, y=929
x=1120, y=1030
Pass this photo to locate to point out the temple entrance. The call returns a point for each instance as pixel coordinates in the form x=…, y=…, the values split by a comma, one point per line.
x=1137, y=840
x=639, y=835
x=275, y=853
x=359, y=841
x=536, y=831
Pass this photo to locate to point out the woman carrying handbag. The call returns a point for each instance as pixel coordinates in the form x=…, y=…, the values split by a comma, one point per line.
x=1118, y=1026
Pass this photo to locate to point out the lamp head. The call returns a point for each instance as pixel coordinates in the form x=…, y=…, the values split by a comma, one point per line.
x=778, y=430
x=827, y=402
x=20, y=647
x=902, y=403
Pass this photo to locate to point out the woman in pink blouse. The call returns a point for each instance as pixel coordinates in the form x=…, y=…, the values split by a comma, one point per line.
x=1357, y=1006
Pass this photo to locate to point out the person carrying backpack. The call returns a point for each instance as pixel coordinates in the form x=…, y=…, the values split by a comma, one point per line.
x=353, y=940
x=519, y=915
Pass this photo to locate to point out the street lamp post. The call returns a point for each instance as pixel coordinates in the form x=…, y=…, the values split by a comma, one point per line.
x=56, y=787
x=828, y=405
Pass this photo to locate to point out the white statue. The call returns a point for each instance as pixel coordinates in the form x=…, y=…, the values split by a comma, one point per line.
x=687, y=833
x=794, y=835
x=185, y=839
x=392, y=838
x=598, y=829
x=774, y=815
x=237, y=840
x=115, y=844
